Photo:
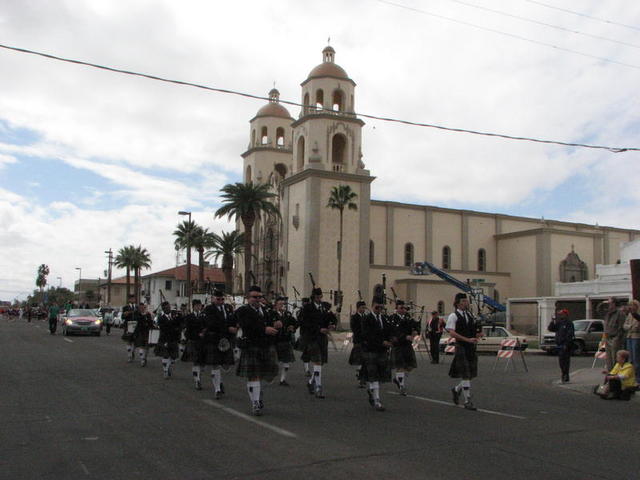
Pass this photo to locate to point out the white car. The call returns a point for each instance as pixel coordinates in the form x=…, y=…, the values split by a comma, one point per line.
x=493, y=337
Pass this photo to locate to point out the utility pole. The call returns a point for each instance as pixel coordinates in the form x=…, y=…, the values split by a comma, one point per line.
x=110, y=257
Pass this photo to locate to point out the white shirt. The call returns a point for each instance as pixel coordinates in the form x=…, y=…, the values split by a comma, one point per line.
x=453, y=318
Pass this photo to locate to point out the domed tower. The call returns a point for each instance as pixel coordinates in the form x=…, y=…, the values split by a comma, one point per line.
x=326, y=153
x=268, y=159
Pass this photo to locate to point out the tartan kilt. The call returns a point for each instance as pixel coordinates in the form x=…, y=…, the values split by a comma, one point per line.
x=127, y=337
x=376, y=367
x=191, y=351
x=316, y=350
x=141, y=339
x=355, y=357
x=211, y=355
x=284, y=351
x=465, y=362
x=403, y=357
x=166, y=350
x=258, y=362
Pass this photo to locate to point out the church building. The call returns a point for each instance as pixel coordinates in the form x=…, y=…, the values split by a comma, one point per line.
x=304, y=158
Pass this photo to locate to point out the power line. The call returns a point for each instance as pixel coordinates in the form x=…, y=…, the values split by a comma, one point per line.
x=295, y=104
x=580, y=14
x=512, y=35
x=537, y=22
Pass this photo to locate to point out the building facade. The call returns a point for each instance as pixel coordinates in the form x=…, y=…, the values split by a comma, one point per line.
x=304, y=158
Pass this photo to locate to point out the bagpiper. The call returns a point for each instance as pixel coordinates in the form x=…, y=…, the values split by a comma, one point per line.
x=193, y=327
x=314, y=328
x=283, y=341
x=355, y=323
x=127, y=330
x=217, y=348
x=170, y=326
x=258, y=358
x=304, y=356
x=403, y=357
x=144, y=324
x=376, y=341
x=462, y=327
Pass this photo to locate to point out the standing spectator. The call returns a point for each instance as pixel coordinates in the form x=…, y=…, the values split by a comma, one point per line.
x=107, y=316
x=54, y=310
x=632, y=330
x=435, y=329
x=613, y=331
x=565, y=334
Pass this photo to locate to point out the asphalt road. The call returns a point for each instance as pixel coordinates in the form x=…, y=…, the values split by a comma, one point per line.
x=73, y=408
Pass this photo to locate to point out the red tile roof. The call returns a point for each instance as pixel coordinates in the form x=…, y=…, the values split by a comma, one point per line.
x=180, y=273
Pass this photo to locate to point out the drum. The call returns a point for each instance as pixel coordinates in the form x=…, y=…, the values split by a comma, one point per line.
x=131, y=326
x=154, y=336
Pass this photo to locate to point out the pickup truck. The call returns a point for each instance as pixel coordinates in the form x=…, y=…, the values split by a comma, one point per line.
x=588, y=336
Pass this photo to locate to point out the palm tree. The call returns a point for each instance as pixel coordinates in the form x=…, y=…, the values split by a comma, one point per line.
x=41, y=279
x=185, y=234
x=341, y=197
x=141, y=259
x=247, y=201
x=226, y=246
x=125, y=259
x=202, y=240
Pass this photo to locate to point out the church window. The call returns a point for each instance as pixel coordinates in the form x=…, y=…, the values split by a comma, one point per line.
x=338, y=150
x=280, y=137
x=319, y=99
x=264, y=139
x=305, y=102
x=408, y=254
x=300, y=153
x=482, y=260
x=338, y=101
x=440, y=307
x=372, y=253
x=446, y=258
x=248, y=175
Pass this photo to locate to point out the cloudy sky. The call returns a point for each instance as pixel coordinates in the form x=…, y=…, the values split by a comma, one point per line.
x=91, y=160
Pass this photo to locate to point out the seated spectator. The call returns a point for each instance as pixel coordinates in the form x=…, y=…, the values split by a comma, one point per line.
x=621, y=380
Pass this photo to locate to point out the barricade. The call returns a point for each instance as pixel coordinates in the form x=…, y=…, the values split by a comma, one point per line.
x=601, y=353
x=508, y=348
x=418, y=342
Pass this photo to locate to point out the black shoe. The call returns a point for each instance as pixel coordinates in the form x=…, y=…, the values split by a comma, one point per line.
x=222, y=388
x=256, y=410
x=362, y=384
x=261, y=404
x=456, y=396
x=371, y=401
x=378, y=406
x=319, y=393
x=308, y=374
x=284, y=383
x=311, y=387
x=470, y=406
x=403, y=391
x=396, y=383
x=143, y=362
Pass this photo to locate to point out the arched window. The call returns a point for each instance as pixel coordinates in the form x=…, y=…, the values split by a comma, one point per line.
x=440, y=307
x=280, y=137
x=253, y=137
x=263, y=137
x=338, y=101
x=319, y=99
x=247, y=178
x=338, y=151
x=305, y=102
x=408, y=254
x=372, y=253
x=446, y=258
x=482, y=260
x=300, y=153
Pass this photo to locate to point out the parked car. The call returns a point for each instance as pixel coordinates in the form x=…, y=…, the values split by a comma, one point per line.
x=588, y=336
x=81, y=321
x=493, y=337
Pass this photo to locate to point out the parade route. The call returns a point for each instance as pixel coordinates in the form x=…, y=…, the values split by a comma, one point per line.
x=77, y=409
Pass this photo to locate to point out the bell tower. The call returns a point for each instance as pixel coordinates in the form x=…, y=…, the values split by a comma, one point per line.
x=326, y=144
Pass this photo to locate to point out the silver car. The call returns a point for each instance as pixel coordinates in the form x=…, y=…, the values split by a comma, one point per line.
x=588, y=335
x=82, y=322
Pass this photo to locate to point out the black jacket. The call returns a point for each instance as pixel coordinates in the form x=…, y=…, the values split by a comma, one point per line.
x=170, y=327
x=216, y=326
x=565, y=333
x=356, y=327
x=313, y=318
x=144, y=323
x=373, y=335
x=284, y=335
x=401, y=327
x=253, y=324
x=193, y=325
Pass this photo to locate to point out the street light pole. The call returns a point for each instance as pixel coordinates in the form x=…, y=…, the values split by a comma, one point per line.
x=59, y=282
x=188, y=289
x=110, y=257
x=79, y=283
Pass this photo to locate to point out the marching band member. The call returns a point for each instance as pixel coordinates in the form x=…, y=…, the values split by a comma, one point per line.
x=355, y=323
x=304, y=357
x=258, y=360
x=284, y=348
x=170, y=329
x=403, y=358
x=462, y=327
x=144, y=323
x=193, y=327
x=376, y=341
x=127, y=316
x=217, y=351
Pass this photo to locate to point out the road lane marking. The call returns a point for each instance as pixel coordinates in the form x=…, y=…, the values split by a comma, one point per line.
x=84, y=468
x=449, y=404
x=68, y=340
x=244, y=416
